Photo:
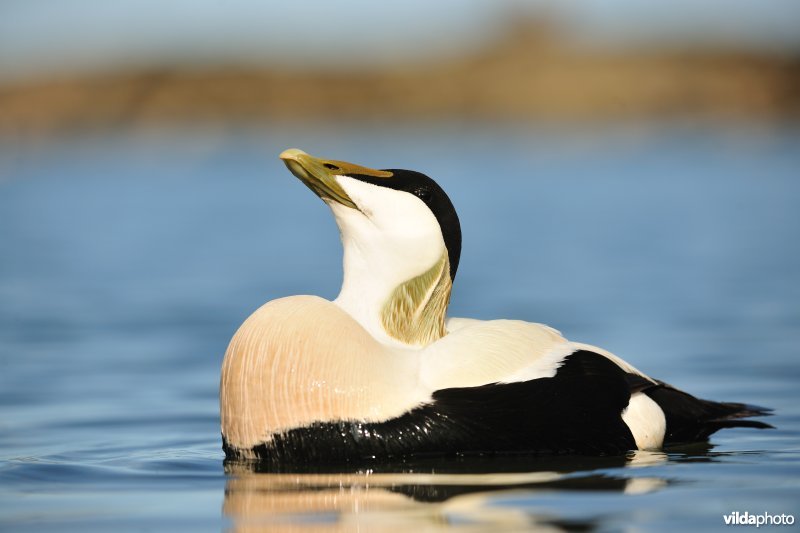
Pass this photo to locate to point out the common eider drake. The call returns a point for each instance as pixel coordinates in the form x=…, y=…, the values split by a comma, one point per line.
x=382, y=373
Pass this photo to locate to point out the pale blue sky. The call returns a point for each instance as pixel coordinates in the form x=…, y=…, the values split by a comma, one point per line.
x=39, y=37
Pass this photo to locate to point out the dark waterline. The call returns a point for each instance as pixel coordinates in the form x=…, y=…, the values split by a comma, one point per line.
x=127, y=262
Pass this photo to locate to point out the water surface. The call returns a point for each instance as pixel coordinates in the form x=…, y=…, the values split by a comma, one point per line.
x=127, y=262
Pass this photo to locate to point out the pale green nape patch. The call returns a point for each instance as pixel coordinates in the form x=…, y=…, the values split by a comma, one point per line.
x=415, y=312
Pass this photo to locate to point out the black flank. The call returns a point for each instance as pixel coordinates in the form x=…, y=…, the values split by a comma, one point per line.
x=578, y=411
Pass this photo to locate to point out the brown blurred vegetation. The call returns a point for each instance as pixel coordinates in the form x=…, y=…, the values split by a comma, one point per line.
x=531, y=73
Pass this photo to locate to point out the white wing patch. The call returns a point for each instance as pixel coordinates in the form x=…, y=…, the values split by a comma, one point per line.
x=646, y=421
x=477, y=353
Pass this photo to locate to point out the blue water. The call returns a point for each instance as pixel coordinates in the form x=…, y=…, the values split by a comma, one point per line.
x=127, y=261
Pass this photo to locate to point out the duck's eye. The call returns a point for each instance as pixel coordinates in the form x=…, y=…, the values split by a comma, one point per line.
x=423, y=194
x=330, y=166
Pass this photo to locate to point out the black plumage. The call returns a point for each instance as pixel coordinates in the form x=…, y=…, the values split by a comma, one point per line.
x=577, y=411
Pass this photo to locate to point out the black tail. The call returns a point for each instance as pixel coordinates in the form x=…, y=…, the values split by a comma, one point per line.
x=691, y=419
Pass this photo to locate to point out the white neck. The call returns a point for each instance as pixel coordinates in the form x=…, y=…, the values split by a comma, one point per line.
x=397, y=306
x=363, y=295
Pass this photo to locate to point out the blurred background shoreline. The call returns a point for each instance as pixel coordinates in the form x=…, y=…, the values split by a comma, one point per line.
x=532, y=71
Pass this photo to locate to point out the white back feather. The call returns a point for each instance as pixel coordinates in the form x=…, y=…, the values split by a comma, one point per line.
x=494, y=351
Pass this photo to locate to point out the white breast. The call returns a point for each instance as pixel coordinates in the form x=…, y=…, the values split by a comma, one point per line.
x=300, y=360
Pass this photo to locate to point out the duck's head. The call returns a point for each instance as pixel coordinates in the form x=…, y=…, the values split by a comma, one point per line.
x=401, y=239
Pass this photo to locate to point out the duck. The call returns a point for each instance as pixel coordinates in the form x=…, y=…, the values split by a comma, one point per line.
x=382, y=373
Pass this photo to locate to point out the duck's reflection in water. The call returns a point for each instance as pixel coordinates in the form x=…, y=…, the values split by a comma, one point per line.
x=459, y=493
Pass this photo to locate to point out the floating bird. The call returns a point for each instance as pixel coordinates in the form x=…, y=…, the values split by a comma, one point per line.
x=382, y=373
